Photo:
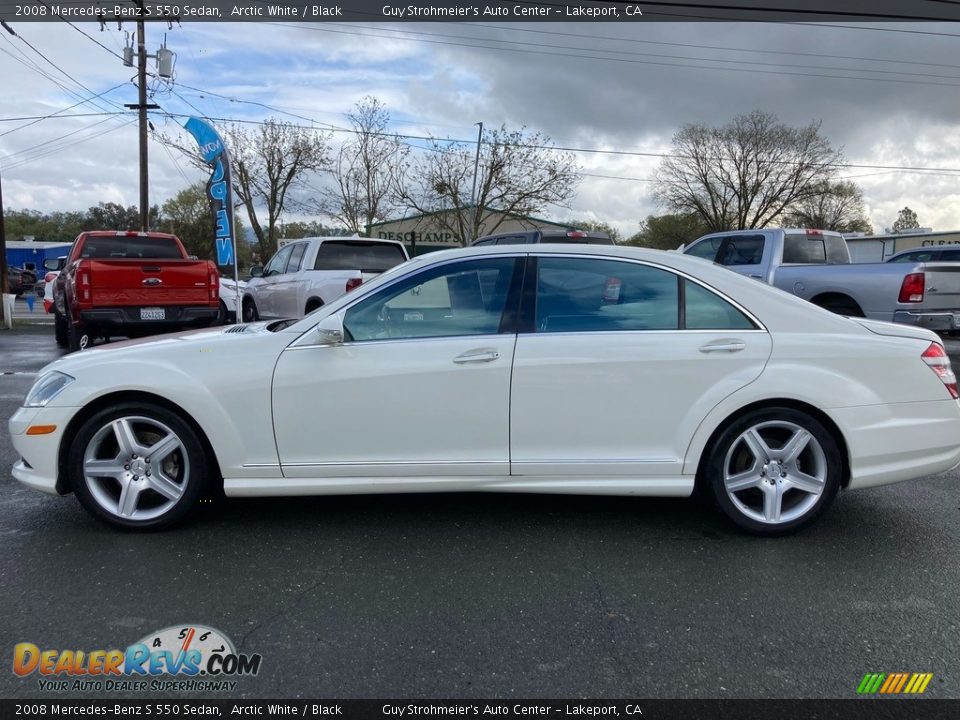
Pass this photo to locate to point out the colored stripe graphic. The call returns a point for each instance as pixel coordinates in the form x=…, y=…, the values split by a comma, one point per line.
x=894, y=683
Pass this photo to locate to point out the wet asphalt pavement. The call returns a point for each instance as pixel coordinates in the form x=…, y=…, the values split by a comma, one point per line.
x=464, y=596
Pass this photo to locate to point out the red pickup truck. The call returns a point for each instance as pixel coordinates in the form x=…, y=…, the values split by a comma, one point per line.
x=131, y=284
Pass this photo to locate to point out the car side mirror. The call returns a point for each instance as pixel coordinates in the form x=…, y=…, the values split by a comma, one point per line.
x=329, y=331
x=256, y=271
x=53, y=264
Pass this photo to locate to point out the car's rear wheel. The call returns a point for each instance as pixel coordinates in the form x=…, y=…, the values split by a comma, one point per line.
x=774, y=470
x=250, y=313
x=137, y=466
x=60, y=329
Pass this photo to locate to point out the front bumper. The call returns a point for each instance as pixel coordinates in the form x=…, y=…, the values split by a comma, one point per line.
x=37, y=466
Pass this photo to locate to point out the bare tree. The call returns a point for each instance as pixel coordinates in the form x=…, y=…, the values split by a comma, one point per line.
x=837, y=206
x=745, y=174
x=268, y=162
x=364, y=170
x=519, y=174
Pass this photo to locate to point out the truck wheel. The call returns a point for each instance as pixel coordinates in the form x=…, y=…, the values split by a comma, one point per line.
x=221, y=314
x=60, y=329
x=250, y=313
x=78, y=336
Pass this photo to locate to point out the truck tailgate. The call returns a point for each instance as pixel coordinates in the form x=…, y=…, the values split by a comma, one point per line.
x=942, y=286
x=149, y=282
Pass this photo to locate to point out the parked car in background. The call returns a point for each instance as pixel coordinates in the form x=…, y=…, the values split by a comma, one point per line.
x=307, y=274
x=530, y=237
x=131, y=284
x=578, y=370
x=20, y=280
x=53, y=266
x=228, y=300
x=935, y=253
x=815, y=265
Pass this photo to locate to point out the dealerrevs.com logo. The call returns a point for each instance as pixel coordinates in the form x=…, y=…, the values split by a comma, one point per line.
x=177, y=658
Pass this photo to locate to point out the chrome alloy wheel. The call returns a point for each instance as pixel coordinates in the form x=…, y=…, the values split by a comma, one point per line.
x=775, y=472
x=136, y=468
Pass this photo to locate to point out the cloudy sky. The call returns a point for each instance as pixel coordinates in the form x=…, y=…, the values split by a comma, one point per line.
x=889, y=97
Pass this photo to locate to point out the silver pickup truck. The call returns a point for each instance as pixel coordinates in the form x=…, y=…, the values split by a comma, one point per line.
x=306, y=274
x=815, y=265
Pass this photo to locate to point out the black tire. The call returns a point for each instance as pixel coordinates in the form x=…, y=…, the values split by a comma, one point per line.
x=221, y=314
x=95, y=494
x=790, y=507
x=79, y=336
x=60, y=329
x=249, y=309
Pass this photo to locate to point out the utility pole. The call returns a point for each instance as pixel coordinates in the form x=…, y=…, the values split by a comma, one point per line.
x=142, y=98
x=4, y=285
x=473, y=192
x=142, y=108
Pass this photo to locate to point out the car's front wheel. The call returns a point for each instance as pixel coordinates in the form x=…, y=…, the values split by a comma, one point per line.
x=137, y=466
x=774, y=470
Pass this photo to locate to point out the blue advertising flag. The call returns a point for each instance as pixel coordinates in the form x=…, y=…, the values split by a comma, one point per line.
x=219, y=188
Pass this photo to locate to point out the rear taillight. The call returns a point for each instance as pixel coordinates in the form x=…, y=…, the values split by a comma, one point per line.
x=83, y=281
x=49, y=277
x=576, y=234
x=937, y=360
x=214, y=284
x=911, y=290
x=354, y=283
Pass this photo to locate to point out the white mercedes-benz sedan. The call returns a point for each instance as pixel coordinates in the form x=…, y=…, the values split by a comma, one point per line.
x=597, y=370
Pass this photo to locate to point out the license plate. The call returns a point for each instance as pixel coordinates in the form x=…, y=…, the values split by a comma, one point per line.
x=153, y=314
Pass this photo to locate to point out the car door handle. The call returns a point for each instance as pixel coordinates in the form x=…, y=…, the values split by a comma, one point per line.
x=477, y=356
x=723, y=346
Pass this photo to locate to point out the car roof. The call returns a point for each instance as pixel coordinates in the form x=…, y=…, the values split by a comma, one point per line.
x=928, y=248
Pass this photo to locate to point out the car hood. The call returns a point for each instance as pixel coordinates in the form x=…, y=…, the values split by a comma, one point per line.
x=879, y=327
x=172, y=346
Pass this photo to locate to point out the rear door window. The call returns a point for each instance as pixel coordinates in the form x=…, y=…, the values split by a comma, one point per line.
x=296, y=257
x=599, y=295
x=741, y=250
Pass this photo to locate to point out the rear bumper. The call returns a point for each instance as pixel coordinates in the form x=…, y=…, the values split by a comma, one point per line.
x=900, y=441
x=942, y=320
x=174, y=315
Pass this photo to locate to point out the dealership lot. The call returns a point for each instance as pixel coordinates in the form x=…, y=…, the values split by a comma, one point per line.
x=495, y=595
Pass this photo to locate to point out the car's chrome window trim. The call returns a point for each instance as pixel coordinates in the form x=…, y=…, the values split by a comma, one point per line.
x=297, y=344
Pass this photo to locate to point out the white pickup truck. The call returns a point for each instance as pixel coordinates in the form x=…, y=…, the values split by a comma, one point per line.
x=815, y=265
x=306, y=274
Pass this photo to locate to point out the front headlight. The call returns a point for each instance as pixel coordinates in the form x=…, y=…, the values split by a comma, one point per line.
x=46, y=388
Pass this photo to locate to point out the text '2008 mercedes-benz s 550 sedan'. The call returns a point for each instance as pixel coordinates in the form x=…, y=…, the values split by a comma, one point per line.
x=595, y=370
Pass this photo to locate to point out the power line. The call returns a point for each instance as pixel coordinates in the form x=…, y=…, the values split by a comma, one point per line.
x=59, y=117
x=604, y=38
x=562, y=148
x=660, y=55
x=619, y=59
x=37, y=119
